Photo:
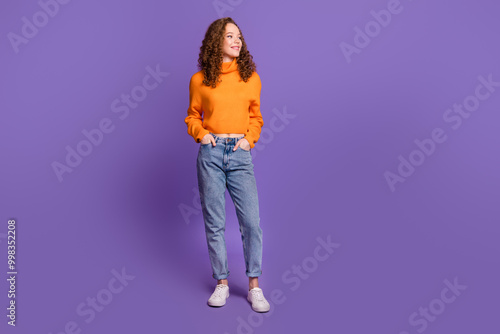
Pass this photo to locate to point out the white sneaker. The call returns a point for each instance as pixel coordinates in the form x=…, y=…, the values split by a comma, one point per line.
x=259, y=302
x=219, y=296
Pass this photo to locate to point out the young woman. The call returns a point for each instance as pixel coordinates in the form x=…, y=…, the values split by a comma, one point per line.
x=226, y=91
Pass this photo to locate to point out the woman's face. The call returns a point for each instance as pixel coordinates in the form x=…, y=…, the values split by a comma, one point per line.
x=232, y=42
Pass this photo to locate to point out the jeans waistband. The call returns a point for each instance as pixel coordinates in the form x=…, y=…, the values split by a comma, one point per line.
x=226, y=139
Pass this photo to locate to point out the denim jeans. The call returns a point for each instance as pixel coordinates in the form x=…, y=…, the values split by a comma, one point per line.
x=219, y=167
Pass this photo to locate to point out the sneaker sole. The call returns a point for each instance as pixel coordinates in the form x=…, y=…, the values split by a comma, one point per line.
x=257, y=310
x=215, y=305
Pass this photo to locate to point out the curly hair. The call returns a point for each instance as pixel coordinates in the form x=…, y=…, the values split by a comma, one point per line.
x=211, y=58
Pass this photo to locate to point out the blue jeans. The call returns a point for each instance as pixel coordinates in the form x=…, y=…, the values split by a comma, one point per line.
x=219, y=167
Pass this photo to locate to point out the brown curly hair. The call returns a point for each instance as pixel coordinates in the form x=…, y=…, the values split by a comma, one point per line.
x=210, y=59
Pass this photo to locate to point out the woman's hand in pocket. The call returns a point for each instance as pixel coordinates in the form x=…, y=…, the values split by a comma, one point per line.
x=207, y=139
x=243, y=143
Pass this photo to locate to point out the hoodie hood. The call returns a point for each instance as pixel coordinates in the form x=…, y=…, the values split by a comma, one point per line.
x=229, y=66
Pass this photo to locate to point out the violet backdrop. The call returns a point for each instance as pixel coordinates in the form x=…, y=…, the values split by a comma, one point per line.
x=364, y=144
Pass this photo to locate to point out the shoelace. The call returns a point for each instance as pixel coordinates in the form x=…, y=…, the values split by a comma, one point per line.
x=257, y=294
x=219, y=290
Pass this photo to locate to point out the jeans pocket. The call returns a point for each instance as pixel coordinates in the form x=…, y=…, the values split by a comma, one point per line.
x=244, y=149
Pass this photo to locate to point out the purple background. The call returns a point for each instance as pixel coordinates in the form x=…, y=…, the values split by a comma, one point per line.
x=321, y=174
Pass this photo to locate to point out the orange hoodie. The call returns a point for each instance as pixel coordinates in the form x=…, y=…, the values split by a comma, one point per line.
x=233, y=106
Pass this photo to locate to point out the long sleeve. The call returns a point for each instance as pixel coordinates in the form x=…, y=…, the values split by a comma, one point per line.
x=194, y=120
x=256, y=120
